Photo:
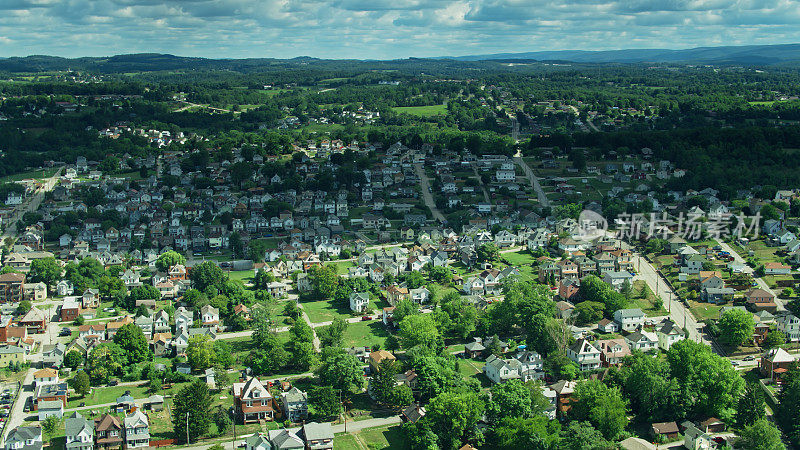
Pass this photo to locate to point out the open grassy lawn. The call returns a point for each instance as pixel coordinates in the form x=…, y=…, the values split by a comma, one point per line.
x=422, y=111
x=108, y=394
x=36, y=174
x=245, y=276
x=324, y=311
x=763, y=253
x=519, y=258
x=646, y=302
x=346, y=442
x=383, y=438
x=365, y=334
x=343, y=266
x=704, y=311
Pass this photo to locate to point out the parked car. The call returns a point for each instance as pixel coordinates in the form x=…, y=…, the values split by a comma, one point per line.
x=65, y=332
x=749, y=358
x=366, y=318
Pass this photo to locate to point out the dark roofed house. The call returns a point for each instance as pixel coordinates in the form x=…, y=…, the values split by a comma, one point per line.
x=474, y=349
x=413, y=413
x=667, y=429
x=108, y=432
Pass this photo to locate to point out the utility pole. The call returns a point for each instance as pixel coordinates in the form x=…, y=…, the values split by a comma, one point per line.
x=187, y=427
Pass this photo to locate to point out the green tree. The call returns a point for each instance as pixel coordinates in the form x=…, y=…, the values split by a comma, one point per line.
x=191, y=404
x=168, y=259
x=333, y=334
x=602, y=406
x=404, y=308
x=132, y=340
x=773, y=339
x=736, y=327
x=453, y=417
x=761, y=435
x=81, y=383
x=324, y=402
x=207, y=274
x=325, y=281
x=23, y=307
x=533, y=433
x=710, y=386
x=510, y=399
x=788, y=414
x=73, y=359
x=750, y=407
x=647, y=384
x=420, y=330
x=342, y=371
x=456, y=317
x=224, y=354
x=488, y=252
x=45, y=270
x=200, y=352
x=222, y=380
x=384, y=384
x=104, y=361
x=583, y=436
x=50, y=426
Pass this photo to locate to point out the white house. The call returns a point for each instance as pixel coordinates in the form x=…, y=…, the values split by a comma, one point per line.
x=642, y=340
x=629, y=319
x=584, y=354
x=789, y=324
x=668, y=334
x=500, y=370
x=359, y=301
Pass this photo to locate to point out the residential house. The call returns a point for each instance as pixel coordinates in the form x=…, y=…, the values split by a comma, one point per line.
x=209, y=316
x=617, y=279
x=642, y=340
x=759, y=299
x=11, y=287
x=24, y=438
x=108, y=432
x=377, y=357
x=584, y=354
x=295, y=404
x=629, y=319
x=286, y=439
x=359, y=301
x=789, y=324
x=774, y=363
x=79, y=432
x=253, y=402
x=501, y=370
x=257, y=441
x=668, y=334
x=318, y=436
x=612, y=351
x=137, y=430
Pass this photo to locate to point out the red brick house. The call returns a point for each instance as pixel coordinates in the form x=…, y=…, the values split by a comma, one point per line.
x=11, y=287
x=253, y=402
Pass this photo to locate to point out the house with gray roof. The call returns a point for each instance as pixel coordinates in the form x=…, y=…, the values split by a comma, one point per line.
x=79, y=432
x=24, y=438
x=318, y=436
x=285, y=439
x=257, y=442
x=295, y=404
x=137, y=430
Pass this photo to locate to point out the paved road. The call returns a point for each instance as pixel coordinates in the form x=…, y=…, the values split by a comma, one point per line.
x=543, y=200
x=425, y=185
x=17, y=415
x=747, y=269
x=480, y=183
x=677, y=311
x=31, y=204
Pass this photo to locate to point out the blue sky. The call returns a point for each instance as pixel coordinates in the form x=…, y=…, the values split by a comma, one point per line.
x=384, y=29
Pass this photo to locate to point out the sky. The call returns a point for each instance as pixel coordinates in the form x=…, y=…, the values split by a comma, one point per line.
x=384, y=29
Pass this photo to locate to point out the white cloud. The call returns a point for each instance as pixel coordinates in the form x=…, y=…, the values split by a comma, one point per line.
x=383, y=29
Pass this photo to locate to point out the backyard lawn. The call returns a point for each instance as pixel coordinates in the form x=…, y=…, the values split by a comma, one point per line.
x=703, y=311
x=422, y=111
x=324, y=311
x=365, y=334
x=102, y=395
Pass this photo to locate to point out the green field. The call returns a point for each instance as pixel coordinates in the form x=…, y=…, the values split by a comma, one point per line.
x=421, y=111
x=324, y=311
x=35, y=174
x=365, y=334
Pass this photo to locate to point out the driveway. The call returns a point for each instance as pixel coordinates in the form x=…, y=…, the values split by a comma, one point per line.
x=543, y=200
x=427, y=196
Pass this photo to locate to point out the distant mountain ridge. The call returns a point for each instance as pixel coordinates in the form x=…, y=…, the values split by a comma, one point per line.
x=744, y=55
x=750, y=55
